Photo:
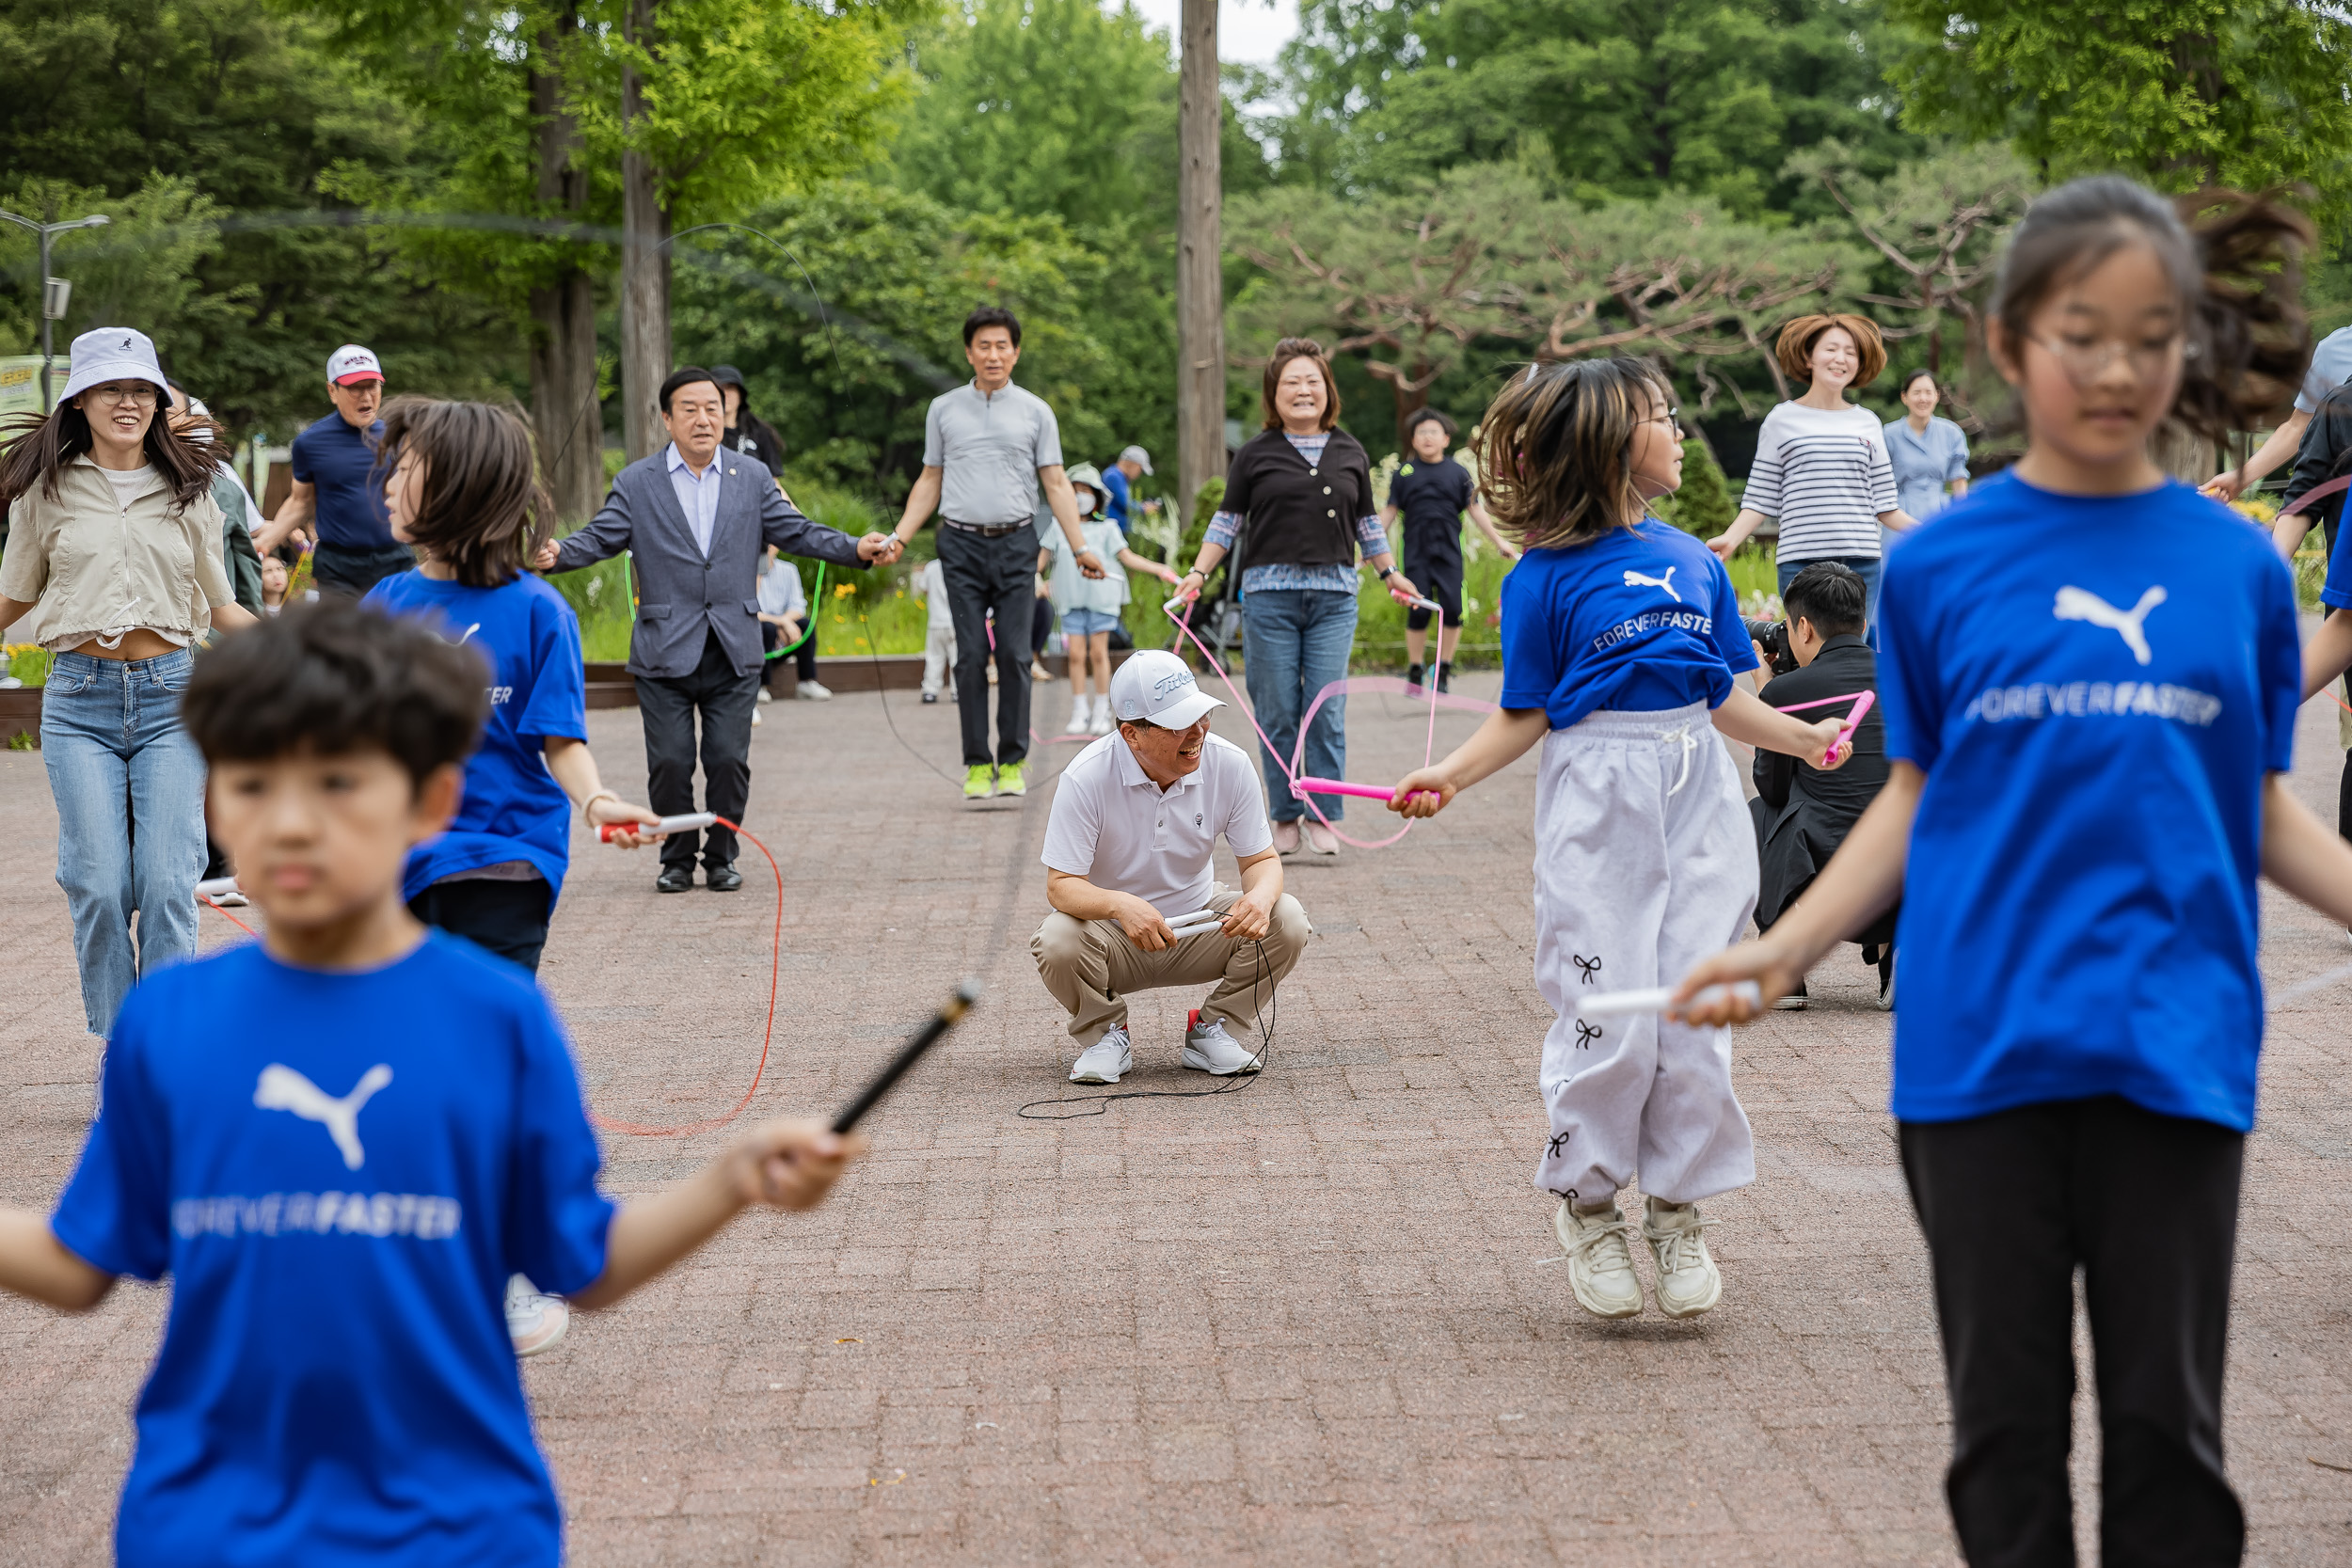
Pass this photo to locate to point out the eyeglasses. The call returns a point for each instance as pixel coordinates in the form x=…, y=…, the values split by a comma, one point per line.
x=2086, y=359
x=137, y=397
x=1670, y=416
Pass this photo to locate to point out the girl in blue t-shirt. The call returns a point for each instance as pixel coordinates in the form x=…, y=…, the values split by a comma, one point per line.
x=1621, y=637
x=2091, y=681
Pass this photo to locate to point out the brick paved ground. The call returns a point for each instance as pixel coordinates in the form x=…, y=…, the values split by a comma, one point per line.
x=1316, y=1322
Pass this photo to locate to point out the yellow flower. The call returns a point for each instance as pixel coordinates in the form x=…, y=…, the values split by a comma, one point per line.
x=843, y=589
x=2255, y=507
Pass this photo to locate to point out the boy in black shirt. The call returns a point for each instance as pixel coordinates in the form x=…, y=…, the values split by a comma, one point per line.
x=1433, y=493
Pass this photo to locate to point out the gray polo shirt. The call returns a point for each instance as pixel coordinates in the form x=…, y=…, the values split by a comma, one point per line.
x=2331, y=366
x=989, y=450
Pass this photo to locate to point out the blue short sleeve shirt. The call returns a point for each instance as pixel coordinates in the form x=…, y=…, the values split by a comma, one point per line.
x=339, y=460
x=2096, y=688
x=338, y=1199
x=1640, y=620
x=1925, y=464
x=513, y=809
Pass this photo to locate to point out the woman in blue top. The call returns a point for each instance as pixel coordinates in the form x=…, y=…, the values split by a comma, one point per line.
x=1929, y=455
x=2091, y=681
x=1621, y=636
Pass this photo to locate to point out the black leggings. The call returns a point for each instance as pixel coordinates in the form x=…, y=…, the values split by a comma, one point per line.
x=2146, y=1205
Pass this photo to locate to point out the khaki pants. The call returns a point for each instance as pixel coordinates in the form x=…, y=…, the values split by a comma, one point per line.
x=1090, y=966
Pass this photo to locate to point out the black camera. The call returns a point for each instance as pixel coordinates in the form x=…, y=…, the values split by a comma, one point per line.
x=1772, y=637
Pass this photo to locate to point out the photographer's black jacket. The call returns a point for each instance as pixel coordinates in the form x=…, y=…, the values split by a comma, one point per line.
x=1803, y=814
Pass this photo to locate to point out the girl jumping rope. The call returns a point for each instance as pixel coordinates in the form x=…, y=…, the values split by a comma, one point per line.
x=1621, y=637
x=2090, y=679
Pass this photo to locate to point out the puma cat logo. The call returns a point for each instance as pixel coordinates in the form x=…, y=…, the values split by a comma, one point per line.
x=1635, y=579
x=2081, y=604
x=281, y=1089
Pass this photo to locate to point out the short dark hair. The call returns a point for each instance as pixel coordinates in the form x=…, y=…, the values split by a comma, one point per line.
x=1829, y=595
x=1284, y=352
x=1904, y=391
x=480, y=509
x=1427, y=415
x=685, y=375
x=991, y=315
x=335, y=677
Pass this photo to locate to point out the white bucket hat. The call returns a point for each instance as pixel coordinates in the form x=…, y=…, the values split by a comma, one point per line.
x=111, y=353
x=1157, y=687
x=1142, y=458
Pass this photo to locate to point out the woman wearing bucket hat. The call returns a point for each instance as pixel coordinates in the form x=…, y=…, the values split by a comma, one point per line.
x=114, y=566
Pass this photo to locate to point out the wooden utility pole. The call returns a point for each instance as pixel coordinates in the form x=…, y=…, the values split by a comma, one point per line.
x=645, y=264
x=1199, y=250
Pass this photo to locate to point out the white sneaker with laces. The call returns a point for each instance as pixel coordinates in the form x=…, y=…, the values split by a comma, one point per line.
x=535, y=1322
x=1101, y=723
x=1600, y=1262
x=814, y=691
x=1321, y=840
x=1688, y=1283
x=1208, y=1049
x=1106, y=1060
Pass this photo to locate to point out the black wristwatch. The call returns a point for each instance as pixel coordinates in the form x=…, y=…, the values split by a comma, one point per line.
x=1387, y=572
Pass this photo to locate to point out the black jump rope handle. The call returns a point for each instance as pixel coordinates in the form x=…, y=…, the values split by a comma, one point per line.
x=924, y=1039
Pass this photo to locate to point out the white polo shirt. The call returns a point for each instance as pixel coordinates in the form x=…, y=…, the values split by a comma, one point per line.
x=1111, y=824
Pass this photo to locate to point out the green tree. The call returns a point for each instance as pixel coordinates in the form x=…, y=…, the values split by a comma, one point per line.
x=2183, y=93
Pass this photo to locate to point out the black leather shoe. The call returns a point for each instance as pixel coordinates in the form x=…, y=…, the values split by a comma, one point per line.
x=723, y=879
x=675, y=879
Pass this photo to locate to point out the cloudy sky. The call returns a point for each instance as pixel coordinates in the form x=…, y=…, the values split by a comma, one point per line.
x=1248, y=31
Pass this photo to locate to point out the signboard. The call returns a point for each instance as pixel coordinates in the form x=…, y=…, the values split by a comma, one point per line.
x=20, y=382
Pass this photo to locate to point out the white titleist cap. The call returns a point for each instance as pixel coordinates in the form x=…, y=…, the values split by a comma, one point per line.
x=1156, y=689
x=111, y=354
x=1141, y=458
x=352, y=363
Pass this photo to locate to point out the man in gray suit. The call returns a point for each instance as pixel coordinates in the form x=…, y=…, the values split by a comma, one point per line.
x=696, y=521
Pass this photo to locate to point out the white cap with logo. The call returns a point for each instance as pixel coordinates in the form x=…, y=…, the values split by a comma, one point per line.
x=352, y=363
x=111, y=354
x=1140, y=457
x=1157, y=687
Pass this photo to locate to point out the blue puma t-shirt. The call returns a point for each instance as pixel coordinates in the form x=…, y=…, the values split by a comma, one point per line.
x=1640, y=620
x=338, y=1192
x=2096, y=688
x=513, y=809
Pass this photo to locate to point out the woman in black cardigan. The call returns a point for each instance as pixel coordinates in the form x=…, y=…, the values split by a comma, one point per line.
x=1302, y=490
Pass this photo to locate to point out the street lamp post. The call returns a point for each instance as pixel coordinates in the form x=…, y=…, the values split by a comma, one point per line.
x=55, y=291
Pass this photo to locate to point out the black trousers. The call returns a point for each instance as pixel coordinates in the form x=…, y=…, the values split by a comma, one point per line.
x=509, y=919
x=804, y=657
x=985, y=575
x=352, y=573
x=2147, y=1205
x=667, y=707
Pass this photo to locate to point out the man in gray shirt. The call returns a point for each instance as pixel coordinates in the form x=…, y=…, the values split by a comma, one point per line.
x=987, y=446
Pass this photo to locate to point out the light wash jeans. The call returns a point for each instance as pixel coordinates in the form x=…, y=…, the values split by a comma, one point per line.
x=1295, y=641
x=130, y=789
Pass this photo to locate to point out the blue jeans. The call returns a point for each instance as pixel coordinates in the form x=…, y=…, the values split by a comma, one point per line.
x=1865, y=566
x=130, y=789
x=1295, y=641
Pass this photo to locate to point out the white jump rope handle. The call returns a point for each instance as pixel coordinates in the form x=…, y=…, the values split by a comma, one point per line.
x=690, y=822
x=1613, y=1004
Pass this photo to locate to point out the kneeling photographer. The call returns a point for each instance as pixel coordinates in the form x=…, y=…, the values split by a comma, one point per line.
x=1802, y=814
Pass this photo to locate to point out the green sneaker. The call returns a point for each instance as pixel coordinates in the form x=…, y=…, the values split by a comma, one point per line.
x=980, y=782
x=1013, y=780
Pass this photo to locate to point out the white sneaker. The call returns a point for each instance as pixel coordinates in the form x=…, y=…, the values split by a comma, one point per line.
x=814, y=691
x=1286, y=837
x=766, y=695
x=534, y=1321
x=1321, y=840
x=1101, y=723
x=232, y=899
x=1081, y=715
x=1106, y=1060
x=1600, y=1263
x=755, y=716
x=1208, y=1049
x=1688, y=1283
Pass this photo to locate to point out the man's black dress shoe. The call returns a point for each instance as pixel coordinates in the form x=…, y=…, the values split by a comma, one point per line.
x=723, y=879
x=675, y=879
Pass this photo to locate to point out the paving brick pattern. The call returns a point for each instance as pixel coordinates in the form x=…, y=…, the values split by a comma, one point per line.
x=1316, y=1321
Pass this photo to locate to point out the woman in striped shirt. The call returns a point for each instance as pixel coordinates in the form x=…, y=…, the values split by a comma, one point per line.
x=1822, y=466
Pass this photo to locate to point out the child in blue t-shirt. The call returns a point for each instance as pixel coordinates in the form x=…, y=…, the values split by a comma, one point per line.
x=1621, y=637
x=340, y=1198
x=460, y=488
x=2090, y=682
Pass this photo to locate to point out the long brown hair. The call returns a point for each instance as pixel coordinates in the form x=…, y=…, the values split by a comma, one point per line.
x=1299, y=348
x=1555, y=451
x=2236, y=261
x=481, y=509
x=36, y=449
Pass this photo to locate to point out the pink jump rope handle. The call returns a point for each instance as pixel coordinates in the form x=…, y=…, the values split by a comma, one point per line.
x=687, y=823
x=1853, y=720
x=1340, y=787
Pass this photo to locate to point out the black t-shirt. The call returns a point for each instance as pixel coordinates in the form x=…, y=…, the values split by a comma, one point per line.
x=1430, y=498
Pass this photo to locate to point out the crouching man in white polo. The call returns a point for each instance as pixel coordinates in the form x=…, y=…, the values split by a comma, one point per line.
x=1127, y=851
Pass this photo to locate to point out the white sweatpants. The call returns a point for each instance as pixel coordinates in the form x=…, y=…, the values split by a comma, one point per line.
x=1644, y=863
x=939, y=655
